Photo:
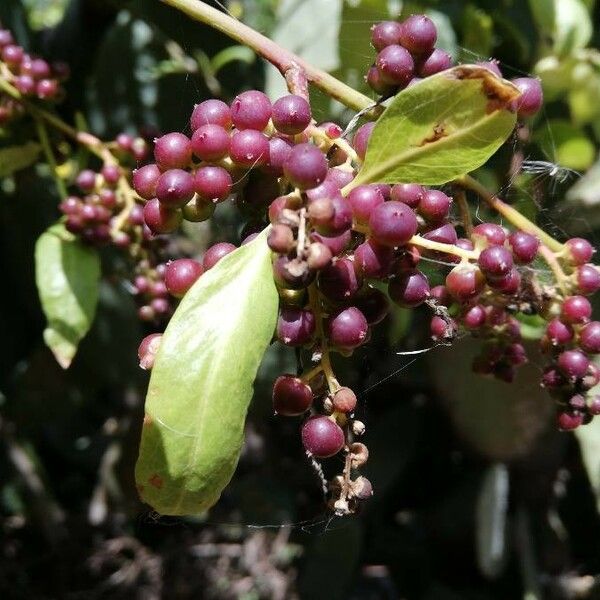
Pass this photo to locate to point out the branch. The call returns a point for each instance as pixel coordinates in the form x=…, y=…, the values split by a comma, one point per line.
x=279, y=57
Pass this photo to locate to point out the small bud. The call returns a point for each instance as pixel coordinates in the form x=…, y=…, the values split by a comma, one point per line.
x=344, y=400
x=358, y=427
x=359, y=454
x=327, y=405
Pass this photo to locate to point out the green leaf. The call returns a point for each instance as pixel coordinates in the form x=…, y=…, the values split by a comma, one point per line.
x=566, y=22
x=15, y=158
x=478, y=27
x=441, y=128
x=67, y=275
x=589, y=443
x=201, y=382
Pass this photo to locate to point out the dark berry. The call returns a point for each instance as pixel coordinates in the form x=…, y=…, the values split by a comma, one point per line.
x=347, y=328
x=173, y=151
x=291, y=396
x=409, y=289
x=291, y=114
x=306, y=166
x=175, y=188
x=214, y=112
x=392, y=223
x=251, y=110
x=295, y=326
x=215, y=253
x=418, y=34
x=181, y=275
x=322, y=437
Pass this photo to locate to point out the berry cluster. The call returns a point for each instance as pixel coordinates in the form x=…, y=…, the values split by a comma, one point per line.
x=338, y=245
x=30, y=75
x=406, y=54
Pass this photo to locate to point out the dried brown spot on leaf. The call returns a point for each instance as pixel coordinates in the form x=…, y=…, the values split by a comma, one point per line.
x=500, y=93
x=438, y=132
x=156, y=481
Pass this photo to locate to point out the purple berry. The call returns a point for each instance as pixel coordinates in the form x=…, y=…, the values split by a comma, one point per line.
x=336, y=244
x=474, y=317
x=212, y=184
x=175, y=188
x=392, y=223
x=589, y=338
x=524, y=246
x=493, y=234
x=306, y=166
x=559, y=333
x=464, y=282
x=568, y=421
x=396, y=65
x=147, y=350
x=532, y=96
x=322, y=437
x=576, y=309
x=339, y=281
x=372, y=260
x=373, y=304
x=360, y=140
x=588, y=279
x=409, y=193
x=173, y=151
x=579, y=250
x=377, y=83
x=215, y=253
x=251, y=110
x=444, y=234
x=291, y=114
x=409, y=289
x=295, y=326
x=573, y=363
x=181, y=275
x=495, y=262
x=249, y=148
x=434, y=206
x=214, y=112
x=418, y=34
x=363, y=199
x=279, y=152
x=437, y=61
x=347, y=328
x=291, y=396
x=145, y=179
x=385, y=34
x=210, y=142
x=86, y=180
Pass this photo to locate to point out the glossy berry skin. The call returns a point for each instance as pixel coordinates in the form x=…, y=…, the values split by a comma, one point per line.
x=409, y=193
x=409, y=289
x=173, y=151
x=295, y=326
x=339, y=281
x=160, y=218
x=147, y=350
x=347, y=328
x=279, y=151
x=145, y=179
x=181, y=275
x=464, y=282
x=175, y=188
x=306, y=166
x=495, y=262
x=215, y=253
x=418, y=34
x=363, y=199
x=212, y=184
x=434, y=206
x=361, y=139
x=322, y=437
x=344, y=400
x=336, y=244
x=210, y=142
x=445, y=234
x=211, y=111
x=580, y=251
x=491, y=232
x=251, y=110
x=588, y=279
x=508, y=284
x=559, y=333
x=573, y=363
x=576, y=310
x=291, y=396
x=437, y=61
x=385, y=34
x=589, y=338
x=396, y=65
x=532, y=96
x=86, y=180
x=392, y=223
x=372, y=260
x=291, y=114
x=249, y=148
x=524, y=246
